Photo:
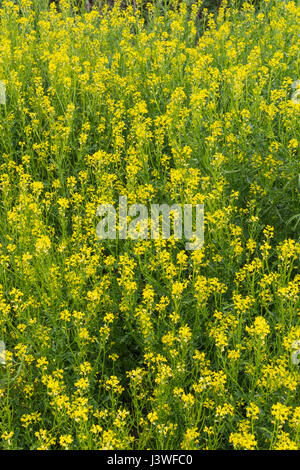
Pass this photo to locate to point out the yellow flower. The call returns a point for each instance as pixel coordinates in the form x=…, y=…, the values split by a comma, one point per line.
x=260, y=328
x=43, y=244
x=65, y=440
x=280, y=412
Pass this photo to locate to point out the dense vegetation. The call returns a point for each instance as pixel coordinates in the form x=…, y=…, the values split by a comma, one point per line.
x=123, y=344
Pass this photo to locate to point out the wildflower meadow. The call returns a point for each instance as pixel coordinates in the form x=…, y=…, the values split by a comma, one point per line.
x=136, y=343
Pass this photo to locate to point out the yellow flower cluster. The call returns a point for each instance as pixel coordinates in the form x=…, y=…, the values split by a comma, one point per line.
x=138, y=344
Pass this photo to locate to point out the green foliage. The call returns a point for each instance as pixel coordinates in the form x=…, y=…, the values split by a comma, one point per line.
x=138, y=344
